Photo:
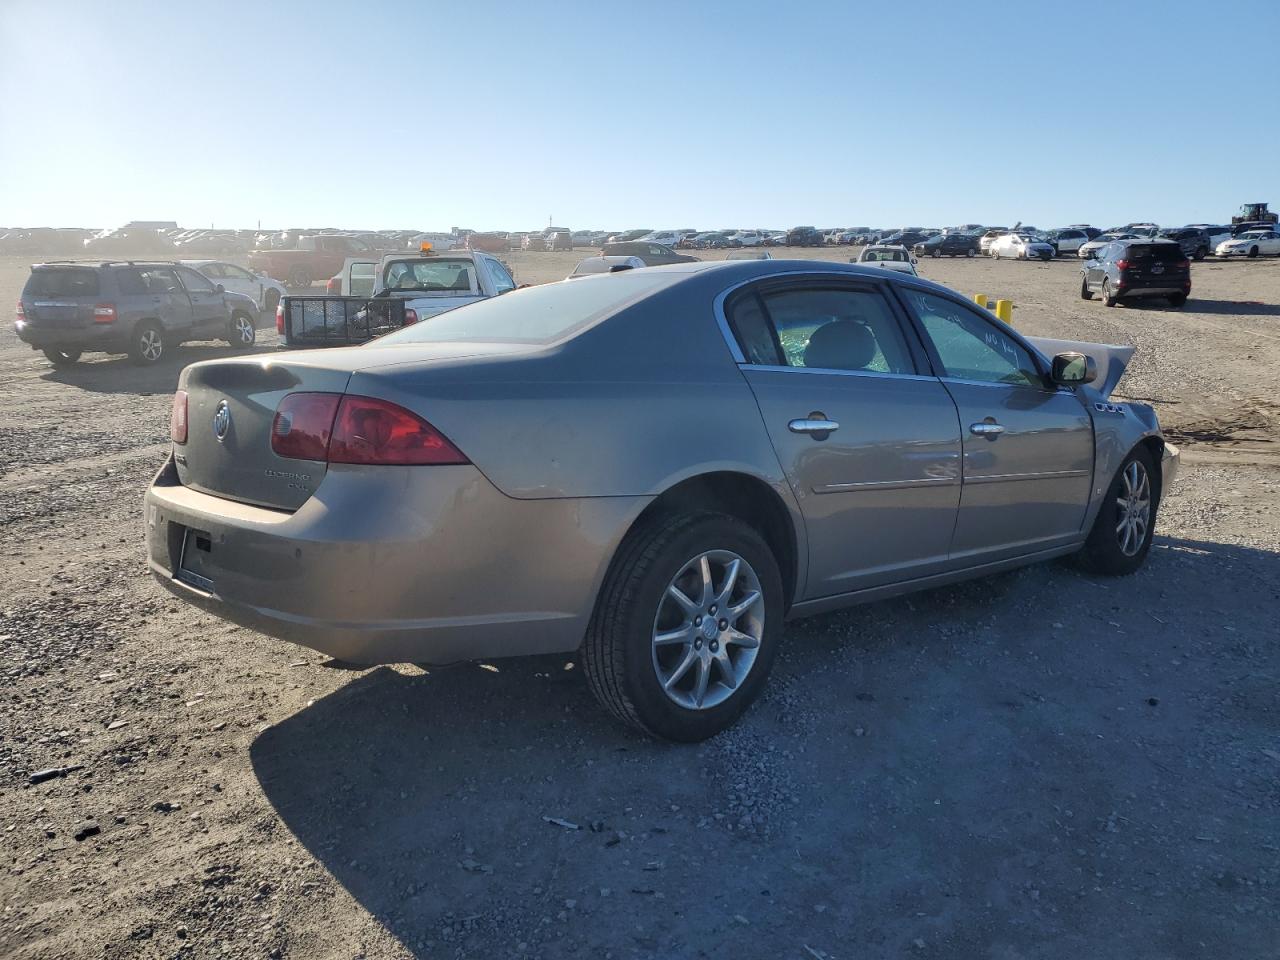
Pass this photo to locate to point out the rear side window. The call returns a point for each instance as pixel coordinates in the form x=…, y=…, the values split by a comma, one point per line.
x=130, y=283
x=62, y=282
x=826, y=328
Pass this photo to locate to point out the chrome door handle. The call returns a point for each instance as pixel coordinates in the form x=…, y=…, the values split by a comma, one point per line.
x=987, y=429
x=812, y=425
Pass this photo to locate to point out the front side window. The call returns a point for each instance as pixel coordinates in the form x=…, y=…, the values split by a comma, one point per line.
x=213, y=270
x=195, y=282
x=970, y=346
x=502, y=281
x=824, y=328
x=160, y=280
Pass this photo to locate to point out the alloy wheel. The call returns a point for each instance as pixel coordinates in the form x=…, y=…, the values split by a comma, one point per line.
x=244, y=329
x=708, y=629
x=150, y=345
x=1133, y=507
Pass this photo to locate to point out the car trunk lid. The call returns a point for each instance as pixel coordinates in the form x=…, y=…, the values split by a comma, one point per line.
x=231, y=405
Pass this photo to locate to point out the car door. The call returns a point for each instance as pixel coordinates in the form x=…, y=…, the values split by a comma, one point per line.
x=238, y=280
x=1270, y=244
x=1095, y=269
x=208, y=309
x=869, y=443
x=1028, y=445
x=168, y=298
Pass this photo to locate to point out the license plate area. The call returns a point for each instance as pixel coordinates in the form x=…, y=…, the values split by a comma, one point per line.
x=195, y=567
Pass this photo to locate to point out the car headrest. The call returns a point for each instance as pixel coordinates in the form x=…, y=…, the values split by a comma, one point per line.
x=841, y=345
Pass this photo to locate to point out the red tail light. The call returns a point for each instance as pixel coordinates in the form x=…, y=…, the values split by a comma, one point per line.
x=280, y=319
x=104, y=313
x=22, y=312
x=303, y=424
x=334, y=287
x=178, y=418
x=349, y=429
x=375, y=431
x=410, y=316
x=1183, y=264
x=1123, y=264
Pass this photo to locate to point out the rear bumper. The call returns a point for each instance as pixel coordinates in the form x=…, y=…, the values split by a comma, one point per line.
x=99, y=337
x=1166, y=291
x=395, y=564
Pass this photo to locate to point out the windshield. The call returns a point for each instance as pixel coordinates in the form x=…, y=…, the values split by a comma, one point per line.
x=452, y=277
x=536, y=314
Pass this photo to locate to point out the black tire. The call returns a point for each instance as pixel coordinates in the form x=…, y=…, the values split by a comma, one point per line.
x=971, y=252
x=1177, y=300
x=937, y=251
x=1253, y=252
x=1085, y=292
x=148, y=344
x=618, y=652
x=243, y=333
x=1103, y=551
x=1107, y=297
x=1201, y=253
x=270, y=302
x=300, y=278
x=61, y=358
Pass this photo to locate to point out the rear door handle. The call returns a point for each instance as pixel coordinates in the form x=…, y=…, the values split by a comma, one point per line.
x=988, y=428
x=814, y=424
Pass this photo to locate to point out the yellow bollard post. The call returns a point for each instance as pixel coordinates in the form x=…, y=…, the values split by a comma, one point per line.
x=980, y=299
x=1004, y=310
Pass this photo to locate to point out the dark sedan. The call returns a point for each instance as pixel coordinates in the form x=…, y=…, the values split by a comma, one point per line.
x=653, y=254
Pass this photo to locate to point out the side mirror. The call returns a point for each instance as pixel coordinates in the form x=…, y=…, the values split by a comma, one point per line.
x=1073, y=369
x=914, y=260
x=220, y=288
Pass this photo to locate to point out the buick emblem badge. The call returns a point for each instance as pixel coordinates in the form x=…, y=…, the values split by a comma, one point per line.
x=222, y=420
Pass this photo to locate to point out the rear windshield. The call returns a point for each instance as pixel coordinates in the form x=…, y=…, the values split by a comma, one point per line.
x=62, y=282
x=430, y=276
x=536, y=314
x=1154, y=251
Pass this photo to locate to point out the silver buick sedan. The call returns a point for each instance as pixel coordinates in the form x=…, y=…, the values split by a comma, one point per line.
x=655, y=468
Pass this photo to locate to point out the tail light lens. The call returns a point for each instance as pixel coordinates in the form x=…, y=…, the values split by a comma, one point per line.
x=342, y=428
x=104, y=313
x=178, y=418
x=22, y=312
x=410, y=316
x=375, y=431
x=1122, y=264
x=334, y=287
x=1183, y=264
x=280, y=318
x=303, y=425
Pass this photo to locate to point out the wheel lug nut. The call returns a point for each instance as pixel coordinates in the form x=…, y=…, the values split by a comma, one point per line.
x=724, y=624
x=697, y=621
x=712, y=611
x=697, y=644
x=714, y=646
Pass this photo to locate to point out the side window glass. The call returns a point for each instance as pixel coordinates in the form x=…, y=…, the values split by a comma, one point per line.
x=130, y=283
x=755, y=336
x=195, y=282
x=212, y=270
x=235, y=273
x=502, y=281
x=655, y=250
x=970, y=346
x=161, y=280
x=837, y=328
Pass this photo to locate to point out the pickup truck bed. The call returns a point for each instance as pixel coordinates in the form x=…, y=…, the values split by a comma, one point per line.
x=337, y=321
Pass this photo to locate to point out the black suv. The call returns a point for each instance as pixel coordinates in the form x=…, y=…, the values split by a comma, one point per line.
x=948, y=245
x=1195, y=242
x=138, y=308
x=1128, y=269
x=653, y=254
x=805, y=237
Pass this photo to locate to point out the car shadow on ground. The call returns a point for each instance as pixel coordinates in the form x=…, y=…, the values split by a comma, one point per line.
x=100, y=373
x=984, y=770
x=1236, y=308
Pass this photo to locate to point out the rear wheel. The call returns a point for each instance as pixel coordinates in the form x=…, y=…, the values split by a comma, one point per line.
x=1121, y=535
x=1253, y=252
x=300, y=278
x=686, y=626
x=971, y=252
x=243, y=332
x=1201, y=253
x=61, y=358
x=1177, y=300
x=1107, y=297
x=148, y=343
x=1085, y=292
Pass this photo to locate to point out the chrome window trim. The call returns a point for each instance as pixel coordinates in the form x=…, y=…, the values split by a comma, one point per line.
x=875, y=374
x=1006, y=386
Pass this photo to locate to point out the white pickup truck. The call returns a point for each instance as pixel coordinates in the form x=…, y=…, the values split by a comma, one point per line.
x=400, y=289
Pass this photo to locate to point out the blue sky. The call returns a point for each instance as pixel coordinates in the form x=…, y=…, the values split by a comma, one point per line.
x=500, y=115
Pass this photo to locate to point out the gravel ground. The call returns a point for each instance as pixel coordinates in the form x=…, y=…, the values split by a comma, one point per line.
x=1036, y=764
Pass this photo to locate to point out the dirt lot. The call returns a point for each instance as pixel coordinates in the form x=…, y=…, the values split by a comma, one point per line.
x=1035, y=765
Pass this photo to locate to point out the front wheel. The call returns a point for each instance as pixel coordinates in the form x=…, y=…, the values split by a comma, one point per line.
x=686, y=626
x=971, y=252
x=1121, y=535
x=61, y=358
x=937, y=252
x=1085, y=292
x=1201, y=253
x=242, y=333
x=1253, y=252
